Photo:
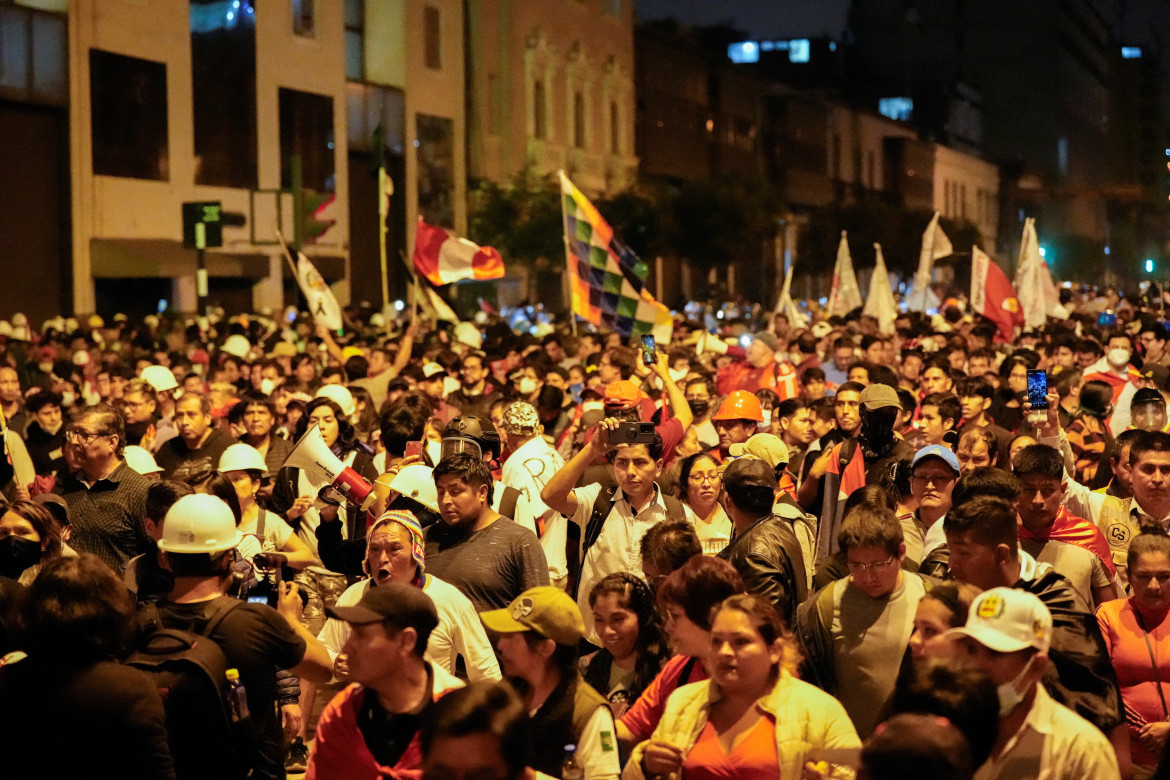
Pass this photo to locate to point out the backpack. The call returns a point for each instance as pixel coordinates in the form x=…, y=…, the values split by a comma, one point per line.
x=190, y=671
x=508, y=501
x=602, y=506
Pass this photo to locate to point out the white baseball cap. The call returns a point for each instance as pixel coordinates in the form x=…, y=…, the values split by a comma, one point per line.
x=1007, y=620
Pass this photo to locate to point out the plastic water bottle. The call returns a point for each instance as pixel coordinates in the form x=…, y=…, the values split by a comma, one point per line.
x=237, y=697
x=571, y=768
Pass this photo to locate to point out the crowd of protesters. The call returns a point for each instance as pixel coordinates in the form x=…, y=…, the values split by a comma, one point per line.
x=764, y=549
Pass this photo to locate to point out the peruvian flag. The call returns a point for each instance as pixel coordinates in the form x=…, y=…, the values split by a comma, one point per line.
x=992, y=295
x=443, y=258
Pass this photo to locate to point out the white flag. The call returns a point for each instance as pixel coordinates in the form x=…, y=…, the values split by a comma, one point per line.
x=431, y=304
x=786, y=306
x=881, y=304
x=844, y=295
x=1034, y=287
x=935, y=244
x=322, y=304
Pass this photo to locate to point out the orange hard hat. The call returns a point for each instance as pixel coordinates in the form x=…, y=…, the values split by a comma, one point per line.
x=740, y=405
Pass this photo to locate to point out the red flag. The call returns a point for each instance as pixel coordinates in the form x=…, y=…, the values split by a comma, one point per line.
x=443, y=258
x=992, y=295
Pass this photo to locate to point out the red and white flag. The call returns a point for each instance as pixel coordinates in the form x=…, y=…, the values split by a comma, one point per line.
x=443, y=258
x=993, y=296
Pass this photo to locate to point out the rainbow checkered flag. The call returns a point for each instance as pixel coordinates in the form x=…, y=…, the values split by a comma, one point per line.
x=606, y=279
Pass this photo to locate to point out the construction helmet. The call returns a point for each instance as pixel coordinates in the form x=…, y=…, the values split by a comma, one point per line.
x=237, y=346
x=740, y=405
x=415, y=481
x=340, y=396
x=199, y=523
x=242, y=457
x=160, y=378
x=469, y=429
x=140, y=460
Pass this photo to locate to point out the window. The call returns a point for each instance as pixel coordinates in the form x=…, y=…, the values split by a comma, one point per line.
x=433, y=42
x=128, y=106
x=223, y=94
x=615, y=133
x=578, y=120
x=436, y=170
x=304, y=18
x=355, y=43
x=539, y=130
x=33, y=54
x=306, y=128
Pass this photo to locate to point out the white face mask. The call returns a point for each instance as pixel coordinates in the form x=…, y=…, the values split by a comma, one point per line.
x=1118, y=357
x=795, y=358
x=527, y=385
x=767, y=421
x=67, y=398
x=45, y=366
x=1010, y=695
x=678, y=374
x=267, y=386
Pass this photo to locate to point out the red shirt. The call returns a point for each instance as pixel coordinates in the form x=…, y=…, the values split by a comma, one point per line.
x=642, y=718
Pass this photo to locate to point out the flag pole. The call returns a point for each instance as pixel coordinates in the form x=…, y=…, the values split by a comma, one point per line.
x=568, y=284
x=417, y=286
x=287, y=254
x=384, y=194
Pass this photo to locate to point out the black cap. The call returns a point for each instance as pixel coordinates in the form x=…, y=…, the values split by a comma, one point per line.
x=1147, y=395
x=403, y=605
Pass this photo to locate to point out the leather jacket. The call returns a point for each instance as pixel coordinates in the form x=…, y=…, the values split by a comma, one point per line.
x=768, y=557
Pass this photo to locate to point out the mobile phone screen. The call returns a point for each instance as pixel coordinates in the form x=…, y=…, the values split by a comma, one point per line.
x=413, y=449
x=1038, y=389
x=1106, y=318
x=648, y=347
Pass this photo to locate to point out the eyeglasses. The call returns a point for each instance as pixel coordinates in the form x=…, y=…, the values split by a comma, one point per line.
x=698, y=479
x=934, y=480
x=864, y=568
x=82, y=437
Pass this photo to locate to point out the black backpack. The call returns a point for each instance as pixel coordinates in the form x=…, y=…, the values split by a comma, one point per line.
x=190, y=671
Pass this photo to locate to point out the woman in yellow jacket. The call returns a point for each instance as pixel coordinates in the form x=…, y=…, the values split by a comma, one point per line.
x=753, y=720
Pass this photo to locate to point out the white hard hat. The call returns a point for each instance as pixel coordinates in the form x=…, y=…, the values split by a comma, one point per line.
x=56, y=323
x=199, y=523
x=237, y=345
x=141, y=460
x=340, y=396
x=160, y=378
x=19, y=319
x=150, y=320
x=20, y=333
x=5, y=328
x=415, y=481
x=467, y=333
x=241, y=457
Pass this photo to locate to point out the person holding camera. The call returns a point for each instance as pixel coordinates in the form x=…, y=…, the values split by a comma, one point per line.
x=197, y=539
x=610, y=523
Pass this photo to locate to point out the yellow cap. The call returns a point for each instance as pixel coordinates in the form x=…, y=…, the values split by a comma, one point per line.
x=545, y=609
x=232, y=675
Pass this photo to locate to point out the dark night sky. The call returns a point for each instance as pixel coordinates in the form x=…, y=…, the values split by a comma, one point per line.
x=1141, y=22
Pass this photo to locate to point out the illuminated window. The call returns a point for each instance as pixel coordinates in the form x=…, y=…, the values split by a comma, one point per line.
x=355, y=44
x=747, y=51
x=1131, y=52
x=897, y=108
x=799, y=50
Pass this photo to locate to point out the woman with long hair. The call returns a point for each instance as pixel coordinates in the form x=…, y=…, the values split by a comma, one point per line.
x=633, y=644
x=754, y=719
x=699, y=485
x=70, y=709
x=1089, y=436
x=686, y=600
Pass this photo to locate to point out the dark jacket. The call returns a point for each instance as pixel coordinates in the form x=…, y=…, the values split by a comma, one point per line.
x=768, y=557
x=45, y=449
x=287, y=488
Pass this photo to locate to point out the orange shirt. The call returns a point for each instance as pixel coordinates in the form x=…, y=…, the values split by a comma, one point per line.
x=754, y=758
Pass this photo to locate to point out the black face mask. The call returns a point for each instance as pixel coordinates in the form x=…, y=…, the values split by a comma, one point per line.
x=877, y=429
x=17, y=554
x=699, y=408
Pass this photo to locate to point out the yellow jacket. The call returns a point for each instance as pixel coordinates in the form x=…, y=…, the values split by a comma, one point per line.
x=808, y=722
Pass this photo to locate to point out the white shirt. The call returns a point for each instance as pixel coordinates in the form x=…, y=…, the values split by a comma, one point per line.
x=307, y=530
x=598, y=751
x=528, y=470
x=459, y=632
x=618, y=547
x=276, y=534
x=1054, y=743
